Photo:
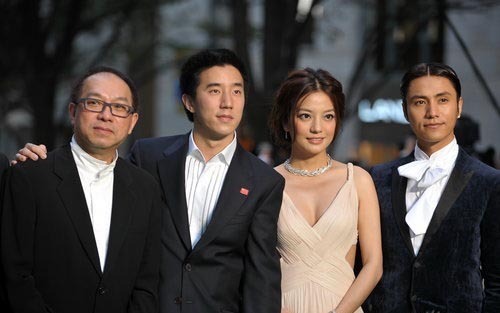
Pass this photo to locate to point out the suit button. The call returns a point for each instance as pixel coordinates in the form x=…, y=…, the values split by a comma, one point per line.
x=414, y=298
x=177, y=300
x=417, y=264
x=102, y=290
x=188, y=267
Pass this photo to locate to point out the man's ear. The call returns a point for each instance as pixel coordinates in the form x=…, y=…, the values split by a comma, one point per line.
x=460, y=105
x=72, y=112
x=405, y=111
x=188, y=103
x=135, y=118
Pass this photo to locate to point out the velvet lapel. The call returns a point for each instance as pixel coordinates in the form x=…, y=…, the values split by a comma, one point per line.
x=458, y=180
x=231, y=198
x=124, y=202
x=399, y=201
x=71, y=193
x=172, y=179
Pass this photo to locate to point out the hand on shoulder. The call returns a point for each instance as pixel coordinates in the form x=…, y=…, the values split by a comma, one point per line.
x=30, y=151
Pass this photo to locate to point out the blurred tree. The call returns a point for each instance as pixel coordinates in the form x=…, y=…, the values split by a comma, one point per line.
x=287, y=25
x=407, y=32
x=38, y=50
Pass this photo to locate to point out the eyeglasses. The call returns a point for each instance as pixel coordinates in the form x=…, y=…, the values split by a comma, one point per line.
x=98, y=106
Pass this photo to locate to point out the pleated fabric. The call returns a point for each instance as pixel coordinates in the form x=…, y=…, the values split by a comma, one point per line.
x=315, y=273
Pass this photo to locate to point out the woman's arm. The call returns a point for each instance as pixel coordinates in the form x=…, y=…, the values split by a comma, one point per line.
x=370, y=244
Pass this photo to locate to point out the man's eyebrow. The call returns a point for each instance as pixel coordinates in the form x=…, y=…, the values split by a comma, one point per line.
x=418, y=97
x=219, y=84
x=212, y=85
x=96, y=94
x=440, y=94
x=444, y=93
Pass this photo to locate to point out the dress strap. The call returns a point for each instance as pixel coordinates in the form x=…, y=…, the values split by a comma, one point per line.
x=350, y=171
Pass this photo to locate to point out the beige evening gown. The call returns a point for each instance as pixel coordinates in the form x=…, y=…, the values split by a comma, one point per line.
x=315, y=273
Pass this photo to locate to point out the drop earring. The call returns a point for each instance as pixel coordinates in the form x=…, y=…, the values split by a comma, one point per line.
x=286, y=135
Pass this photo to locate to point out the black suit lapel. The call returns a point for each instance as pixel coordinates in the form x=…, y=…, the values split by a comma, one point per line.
x=71, y=193
x=172, y=179
x=458, y=180
x=124, y=200
x=399, y=202
x=231, y=198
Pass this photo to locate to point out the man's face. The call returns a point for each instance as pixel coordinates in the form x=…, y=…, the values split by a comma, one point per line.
x=218, y=105
x=100, y=134
x=432, y=109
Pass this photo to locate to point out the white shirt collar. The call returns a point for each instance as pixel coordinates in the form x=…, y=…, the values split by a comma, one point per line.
x=444, y=157
x=226, y=155
x=88, y=162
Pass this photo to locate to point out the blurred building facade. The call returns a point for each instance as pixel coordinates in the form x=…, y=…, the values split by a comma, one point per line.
x=367, y=45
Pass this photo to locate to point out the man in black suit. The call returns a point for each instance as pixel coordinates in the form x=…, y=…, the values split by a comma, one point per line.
x=440, y=210
x=80, y=230
x=219, y=232
x=220, y=228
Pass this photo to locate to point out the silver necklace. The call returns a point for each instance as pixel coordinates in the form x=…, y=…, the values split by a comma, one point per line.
x=316, y=172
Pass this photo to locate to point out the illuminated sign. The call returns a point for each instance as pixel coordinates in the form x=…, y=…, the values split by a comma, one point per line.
x=382, y=110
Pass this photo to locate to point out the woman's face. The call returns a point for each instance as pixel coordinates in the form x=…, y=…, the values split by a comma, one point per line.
x=314, y=124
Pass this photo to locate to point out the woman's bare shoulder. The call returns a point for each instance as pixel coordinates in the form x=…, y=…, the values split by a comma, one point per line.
x=361, y=176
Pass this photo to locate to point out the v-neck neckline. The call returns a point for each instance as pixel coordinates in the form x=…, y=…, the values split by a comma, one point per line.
x=326, y=210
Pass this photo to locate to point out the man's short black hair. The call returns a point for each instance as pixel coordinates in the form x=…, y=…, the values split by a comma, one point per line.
x=197, y=63
x=429, y=69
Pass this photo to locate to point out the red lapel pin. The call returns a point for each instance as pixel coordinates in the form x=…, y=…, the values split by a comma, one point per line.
x=244, y=191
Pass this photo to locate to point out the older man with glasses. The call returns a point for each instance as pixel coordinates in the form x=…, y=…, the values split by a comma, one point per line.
x=80, y=230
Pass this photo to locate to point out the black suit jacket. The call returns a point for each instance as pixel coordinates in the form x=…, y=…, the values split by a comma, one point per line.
x=461, y=246
x=4, y=164
x=48, y=250
x=235, y=266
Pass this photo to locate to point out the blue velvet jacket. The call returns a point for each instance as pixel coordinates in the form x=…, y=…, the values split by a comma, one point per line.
x=460, y=251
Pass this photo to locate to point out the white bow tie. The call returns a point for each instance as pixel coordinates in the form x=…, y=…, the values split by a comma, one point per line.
x=426, y=174
x=423, y=171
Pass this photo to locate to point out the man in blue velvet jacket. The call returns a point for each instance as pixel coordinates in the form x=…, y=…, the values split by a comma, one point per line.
x=440, y=210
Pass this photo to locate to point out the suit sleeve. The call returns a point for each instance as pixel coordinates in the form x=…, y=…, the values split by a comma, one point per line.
x=262, y=278
x=134, y=155
x=490, y=252
x=17, y=243
x=144, y=297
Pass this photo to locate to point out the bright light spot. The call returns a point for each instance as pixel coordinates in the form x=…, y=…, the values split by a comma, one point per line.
x=303, y=9
x=382, y=110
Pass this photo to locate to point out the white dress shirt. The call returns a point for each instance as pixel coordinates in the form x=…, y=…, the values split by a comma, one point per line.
x=203, y=185
x=97, y=180
x=427, y=178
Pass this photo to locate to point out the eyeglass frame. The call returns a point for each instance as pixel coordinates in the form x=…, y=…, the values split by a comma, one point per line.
x=105, y=104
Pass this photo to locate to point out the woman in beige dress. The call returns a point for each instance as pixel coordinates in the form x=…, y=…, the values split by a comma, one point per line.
x=327, y=205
